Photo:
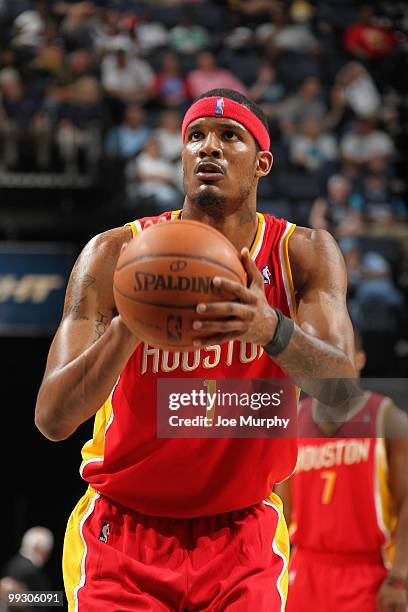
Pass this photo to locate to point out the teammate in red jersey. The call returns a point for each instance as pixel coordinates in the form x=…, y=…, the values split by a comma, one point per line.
x=191, y=524
x=347, y=503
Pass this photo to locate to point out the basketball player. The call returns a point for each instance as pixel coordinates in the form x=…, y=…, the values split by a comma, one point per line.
x=191, y=524
x=348, y=505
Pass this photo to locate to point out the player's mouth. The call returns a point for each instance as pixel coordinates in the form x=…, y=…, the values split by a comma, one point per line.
x=209, y=171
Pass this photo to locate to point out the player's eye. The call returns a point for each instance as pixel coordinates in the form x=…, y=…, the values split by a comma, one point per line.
x=196, y=135
x=230, y=135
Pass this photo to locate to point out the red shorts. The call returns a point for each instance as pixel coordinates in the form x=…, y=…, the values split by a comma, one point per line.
x=117, y=560
x=334, y=583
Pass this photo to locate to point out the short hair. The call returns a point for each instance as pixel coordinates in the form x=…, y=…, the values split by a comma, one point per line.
x=236, y=96
x=37, y=537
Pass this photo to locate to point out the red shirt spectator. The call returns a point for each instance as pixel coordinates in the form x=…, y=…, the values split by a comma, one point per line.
x=368, y=39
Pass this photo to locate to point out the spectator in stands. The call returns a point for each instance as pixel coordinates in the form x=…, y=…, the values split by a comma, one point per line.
x=127, y=79
x=188, y=38
x=79, y=125
x=313, y=149
x=380, y=207
x=352, y=256
x=168, y=136
x=253, y=7
x=152, y=177
x=76, y=26
x=20, y=117
x=50, y=55
x=306, y=104
x=27, y=565
x=267, y=90
x=170, y=86
x=80, y=63
x=369, y=39
x=128, y=139
x=208, y=75
x=340, y=211
x=377, y=304
x=151, y=34
x=281, y=35
x=365, y=143
x=28, y=27
x=359, y=90
x=108, y=36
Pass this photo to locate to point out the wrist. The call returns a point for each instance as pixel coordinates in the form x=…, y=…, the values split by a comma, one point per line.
x=396, y=579
x=269, y=327
x=282, y=335
x=123, y=333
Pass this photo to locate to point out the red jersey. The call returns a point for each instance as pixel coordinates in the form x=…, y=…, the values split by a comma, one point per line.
x=128, y=463
x=341, y=499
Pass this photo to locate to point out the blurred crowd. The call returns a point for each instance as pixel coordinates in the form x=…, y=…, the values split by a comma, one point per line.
x=100, y=86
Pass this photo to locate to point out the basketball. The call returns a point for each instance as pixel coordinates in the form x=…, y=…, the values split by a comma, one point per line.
x=163, y=274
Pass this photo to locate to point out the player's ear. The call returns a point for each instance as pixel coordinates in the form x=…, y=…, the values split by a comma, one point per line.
x=264, y=163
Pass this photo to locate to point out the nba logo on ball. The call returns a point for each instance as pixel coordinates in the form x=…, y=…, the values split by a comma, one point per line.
x=219, y=106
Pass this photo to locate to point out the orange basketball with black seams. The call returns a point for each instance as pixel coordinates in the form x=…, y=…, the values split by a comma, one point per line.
x=163, y=274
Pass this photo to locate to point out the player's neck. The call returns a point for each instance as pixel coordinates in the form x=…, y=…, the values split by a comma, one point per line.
x=240, y=227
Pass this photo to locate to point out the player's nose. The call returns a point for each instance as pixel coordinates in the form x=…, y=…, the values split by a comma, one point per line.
x=210, y=147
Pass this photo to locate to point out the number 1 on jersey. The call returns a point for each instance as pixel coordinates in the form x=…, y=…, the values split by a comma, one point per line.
x=330, y=478
x=211, y=386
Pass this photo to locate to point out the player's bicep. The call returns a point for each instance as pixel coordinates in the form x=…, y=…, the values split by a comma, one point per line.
x=89, y=303
x=322, y=306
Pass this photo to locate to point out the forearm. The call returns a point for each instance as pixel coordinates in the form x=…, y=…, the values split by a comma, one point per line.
x=73, y=393
x=320, y=369
x=400, y=565
x=309, y=357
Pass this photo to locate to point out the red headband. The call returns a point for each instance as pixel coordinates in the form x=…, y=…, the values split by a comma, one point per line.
x=224, y=107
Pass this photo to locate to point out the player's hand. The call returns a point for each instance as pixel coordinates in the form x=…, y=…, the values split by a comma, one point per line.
x=250, y=318
x=391, y=599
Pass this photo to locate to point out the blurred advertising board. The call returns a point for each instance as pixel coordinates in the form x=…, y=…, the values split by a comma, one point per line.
x=33, y=278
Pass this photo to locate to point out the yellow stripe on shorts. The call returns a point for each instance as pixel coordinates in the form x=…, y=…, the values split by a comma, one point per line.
x=280, y=546
x=75, y=549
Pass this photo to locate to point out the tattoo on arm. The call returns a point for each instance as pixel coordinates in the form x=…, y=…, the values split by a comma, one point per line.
x=101, y=325
x=74, y=309
x=73, y=306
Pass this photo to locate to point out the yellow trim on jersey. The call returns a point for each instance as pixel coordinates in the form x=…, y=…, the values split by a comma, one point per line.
x=280, y=546
x=387, y=521
x=94, y=449
x=288, y=269
x=133, y=227
x=175, y=214
x=74, y=553
x=261, y=223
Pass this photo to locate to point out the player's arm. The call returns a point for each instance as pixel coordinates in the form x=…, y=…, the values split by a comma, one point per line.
x=392, y=595
x=284, y=490
x=321, y=345
x=91, y=345
x=322, y=342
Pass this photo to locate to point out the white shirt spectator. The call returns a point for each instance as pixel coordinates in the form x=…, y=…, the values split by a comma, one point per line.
x=170, y=143
x=29, y=26
x=312, y=154
x=290, y=38
x=365, y=147
x=151, y=36
x=363, y=97
x=136, y=75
